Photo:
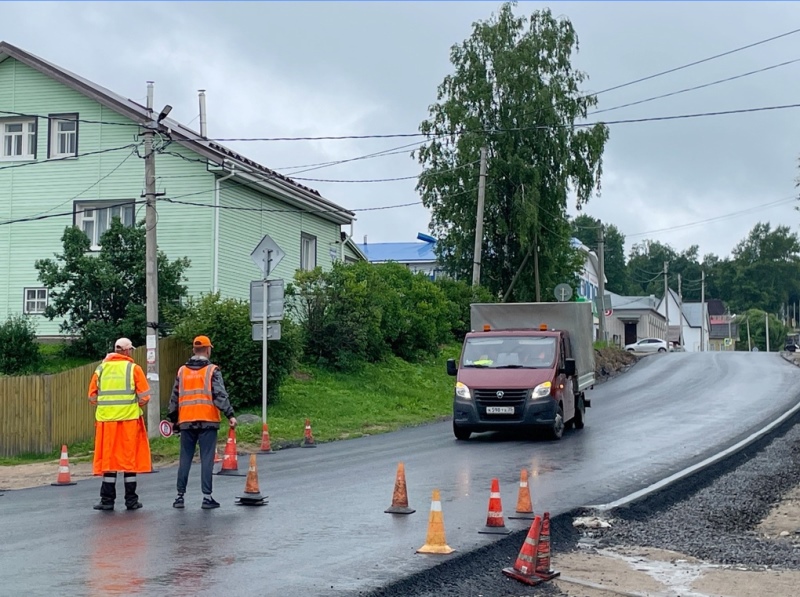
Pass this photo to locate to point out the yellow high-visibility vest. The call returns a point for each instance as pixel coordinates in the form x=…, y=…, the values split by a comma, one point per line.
x=116, y=393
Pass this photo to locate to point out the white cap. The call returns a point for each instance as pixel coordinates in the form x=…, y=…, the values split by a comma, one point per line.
x=123, y=344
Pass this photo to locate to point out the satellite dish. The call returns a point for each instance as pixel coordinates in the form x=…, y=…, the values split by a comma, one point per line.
x=563, y=292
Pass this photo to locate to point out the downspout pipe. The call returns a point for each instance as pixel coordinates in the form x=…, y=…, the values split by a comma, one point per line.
x=217, y=186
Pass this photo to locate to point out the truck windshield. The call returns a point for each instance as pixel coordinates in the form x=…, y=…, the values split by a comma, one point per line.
x=510, y=352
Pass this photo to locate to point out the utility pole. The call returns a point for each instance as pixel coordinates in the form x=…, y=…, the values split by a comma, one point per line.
x=601, y=316
x=476, y=262
x=666, y=300
x=730, y=334
x=749, y=345
x=680, y=294
x=703, y=311
x=536, y=264
x=766, y=328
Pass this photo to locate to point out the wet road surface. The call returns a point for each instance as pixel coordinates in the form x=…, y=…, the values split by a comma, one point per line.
x=324, y=531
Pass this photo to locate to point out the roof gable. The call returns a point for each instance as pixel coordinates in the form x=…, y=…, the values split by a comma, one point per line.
x=298, y=193
x=694, y=314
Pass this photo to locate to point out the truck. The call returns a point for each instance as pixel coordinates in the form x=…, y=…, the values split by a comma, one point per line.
x=524, y=366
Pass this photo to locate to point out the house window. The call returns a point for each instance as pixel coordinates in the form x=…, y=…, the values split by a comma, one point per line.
x=63, y=140
x=308, y=252
x=19, y=139
x=35, y=301
x=95, y=218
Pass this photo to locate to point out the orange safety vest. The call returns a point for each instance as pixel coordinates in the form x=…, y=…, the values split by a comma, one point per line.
x=195, y=401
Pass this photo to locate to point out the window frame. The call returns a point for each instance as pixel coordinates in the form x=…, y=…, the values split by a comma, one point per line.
x=79, y=209
x=306, y=238
x=36, y=300
x=30, y=153
x=53, y=134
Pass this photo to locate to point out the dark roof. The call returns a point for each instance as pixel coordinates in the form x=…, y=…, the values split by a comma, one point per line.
x=719, y=331
x=182, y=134
x=715, y=307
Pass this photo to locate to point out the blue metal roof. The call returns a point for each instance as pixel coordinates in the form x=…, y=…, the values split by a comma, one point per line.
x=402, y=252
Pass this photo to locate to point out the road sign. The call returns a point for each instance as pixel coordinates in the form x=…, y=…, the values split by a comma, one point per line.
x=563, y=292
x=728, y=341
x=276, y=302
x=165, y=427
x=609, y=312
x=273, y=331
x=267, y=255
x=605, y=306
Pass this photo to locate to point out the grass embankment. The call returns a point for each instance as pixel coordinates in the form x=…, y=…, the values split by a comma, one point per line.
x=380, y=398
x=54, y=361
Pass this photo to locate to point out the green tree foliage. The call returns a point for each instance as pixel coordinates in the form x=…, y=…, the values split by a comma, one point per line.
x=461, y=295
x=514, y=90
x=19, y=350
x=755, y=317
x=586, y=228
x=102, y=296
x=227, y=323
x=362, y=313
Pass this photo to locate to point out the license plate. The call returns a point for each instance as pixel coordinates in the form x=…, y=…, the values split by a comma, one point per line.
x=499, y=410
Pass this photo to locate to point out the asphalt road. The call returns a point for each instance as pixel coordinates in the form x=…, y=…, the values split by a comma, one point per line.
x=324, y=531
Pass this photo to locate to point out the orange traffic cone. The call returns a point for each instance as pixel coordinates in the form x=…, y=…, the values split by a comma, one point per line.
x=495, y=524
x=63, y=469
x=252, y=494
x=230, y=461
x=217, y=462
x=265, y=445
x=524, y=505
x=524, y=567
x=308, y=439
x=543, y=569
x=435, y=542
x=400, y=495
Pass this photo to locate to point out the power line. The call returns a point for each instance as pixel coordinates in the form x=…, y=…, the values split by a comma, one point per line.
x=696, y=62
x=27, y=115
x=71, y=157
x=696, y=87
x=47, y=216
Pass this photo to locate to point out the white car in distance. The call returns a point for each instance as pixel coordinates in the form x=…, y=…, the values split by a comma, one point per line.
x=648, y=345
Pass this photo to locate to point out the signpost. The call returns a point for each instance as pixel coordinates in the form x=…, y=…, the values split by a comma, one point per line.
x=267, y=255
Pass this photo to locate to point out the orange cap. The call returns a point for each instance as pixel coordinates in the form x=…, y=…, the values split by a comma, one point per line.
x=201, y=341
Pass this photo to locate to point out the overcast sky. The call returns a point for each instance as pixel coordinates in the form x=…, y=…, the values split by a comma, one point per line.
x=333, y=68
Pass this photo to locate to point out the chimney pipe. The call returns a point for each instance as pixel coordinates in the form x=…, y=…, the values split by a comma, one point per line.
x=365, y=239
x=150, y=97
x=203, y=130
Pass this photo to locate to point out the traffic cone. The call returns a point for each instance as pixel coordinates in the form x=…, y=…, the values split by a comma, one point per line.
x=308, y=439
x=525, y=566
x=435, y=541
x=495, y=525
x=63, y=469
x=217, y=462
x=400, y=495
x=266, y=447
x=252, y=495
x=543, y=569
x=524, y=505
x=230, y=461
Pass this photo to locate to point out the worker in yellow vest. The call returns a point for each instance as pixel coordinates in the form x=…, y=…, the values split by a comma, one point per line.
x=119, y=389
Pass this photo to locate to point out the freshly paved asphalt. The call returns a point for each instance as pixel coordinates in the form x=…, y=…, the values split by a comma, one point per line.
x=324, y=531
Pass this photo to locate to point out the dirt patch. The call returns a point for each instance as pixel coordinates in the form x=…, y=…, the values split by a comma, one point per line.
x=784, y=519
x=609, y=362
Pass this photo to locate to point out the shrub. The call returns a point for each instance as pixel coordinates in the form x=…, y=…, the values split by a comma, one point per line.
x=227, y=323
x=19, y=350
x=460, y=294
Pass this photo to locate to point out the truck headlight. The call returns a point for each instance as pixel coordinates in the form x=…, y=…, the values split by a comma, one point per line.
x=462, y=391
x=541, y=391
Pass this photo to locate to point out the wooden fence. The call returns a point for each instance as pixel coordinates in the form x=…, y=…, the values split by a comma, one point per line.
x=39, y=413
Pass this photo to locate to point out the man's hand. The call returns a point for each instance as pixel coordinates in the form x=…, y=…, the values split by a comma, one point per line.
x=232, y=421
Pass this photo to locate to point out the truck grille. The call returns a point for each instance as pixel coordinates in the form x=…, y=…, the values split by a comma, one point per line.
x=506, y=397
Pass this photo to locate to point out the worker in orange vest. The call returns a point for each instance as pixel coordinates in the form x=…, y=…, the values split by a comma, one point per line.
x=198, y=396
x=119, y=390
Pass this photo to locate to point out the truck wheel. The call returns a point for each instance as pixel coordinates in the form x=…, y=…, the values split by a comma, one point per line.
x=557, y=429
x=580, y=414
x=461, y=434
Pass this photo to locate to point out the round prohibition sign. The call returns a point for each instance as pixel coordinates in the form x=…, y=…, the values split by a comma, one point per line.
x=165, y=427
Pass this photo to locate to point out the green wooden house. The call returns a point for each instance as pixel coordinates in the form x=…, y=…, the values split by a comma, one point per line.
x=70, y=154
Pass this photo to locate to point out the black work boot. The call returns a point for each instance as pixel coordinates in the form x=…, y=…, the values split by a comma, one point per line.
x=104, y=505
x=108, y=492
x=131, y=499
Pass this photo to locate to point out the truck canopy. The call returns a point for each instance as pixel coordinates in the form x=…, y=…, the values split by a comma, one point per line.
x=575, y=318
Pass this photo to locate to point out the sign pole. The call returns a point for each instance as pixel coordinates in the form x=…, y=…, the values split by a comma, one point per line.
x=264, y=339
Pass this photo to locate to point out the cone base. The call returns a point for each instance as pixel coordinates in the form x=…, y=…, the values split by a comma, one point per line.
x=231, y=473
x=438, y=549
x=523, y=516
x=63, y=484
x=251, y=499
x=399, y=510
x=495, y=531
x=517, y=575
x=263, y=451
x=549, y=575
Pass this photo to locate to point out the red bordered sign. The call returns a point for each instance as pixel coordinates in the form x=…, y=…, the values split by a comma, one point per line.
x=165, y=427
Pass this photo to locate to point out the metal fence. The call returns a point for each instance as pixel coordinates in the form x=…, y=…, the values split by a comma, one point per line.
x=39, y=413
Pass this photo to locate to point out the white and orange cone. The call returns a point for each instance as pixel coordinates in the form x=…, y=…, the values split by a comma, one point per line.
x=435, y=541
x=495, y=525
x=63, y=470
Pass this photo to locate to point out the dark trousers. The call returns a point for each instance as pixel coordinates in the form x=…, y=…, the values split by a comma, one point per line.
x=108, y=488
x=207, y=438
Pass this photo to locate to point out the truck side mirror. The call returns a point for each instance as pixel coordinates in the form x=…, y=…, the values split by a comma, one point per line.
x=569, y=367
x=451, y=367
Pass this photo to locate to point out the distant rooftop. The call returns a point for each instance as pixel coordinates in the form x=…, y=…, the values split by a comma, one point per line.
x=694, y=314
x=419, y=252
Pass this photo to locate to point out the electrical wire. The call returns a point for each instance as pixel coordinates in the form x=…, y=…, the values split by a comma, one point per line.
x=695, y=63
x=71, y=157
x=696, y=87
x=71, y=212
